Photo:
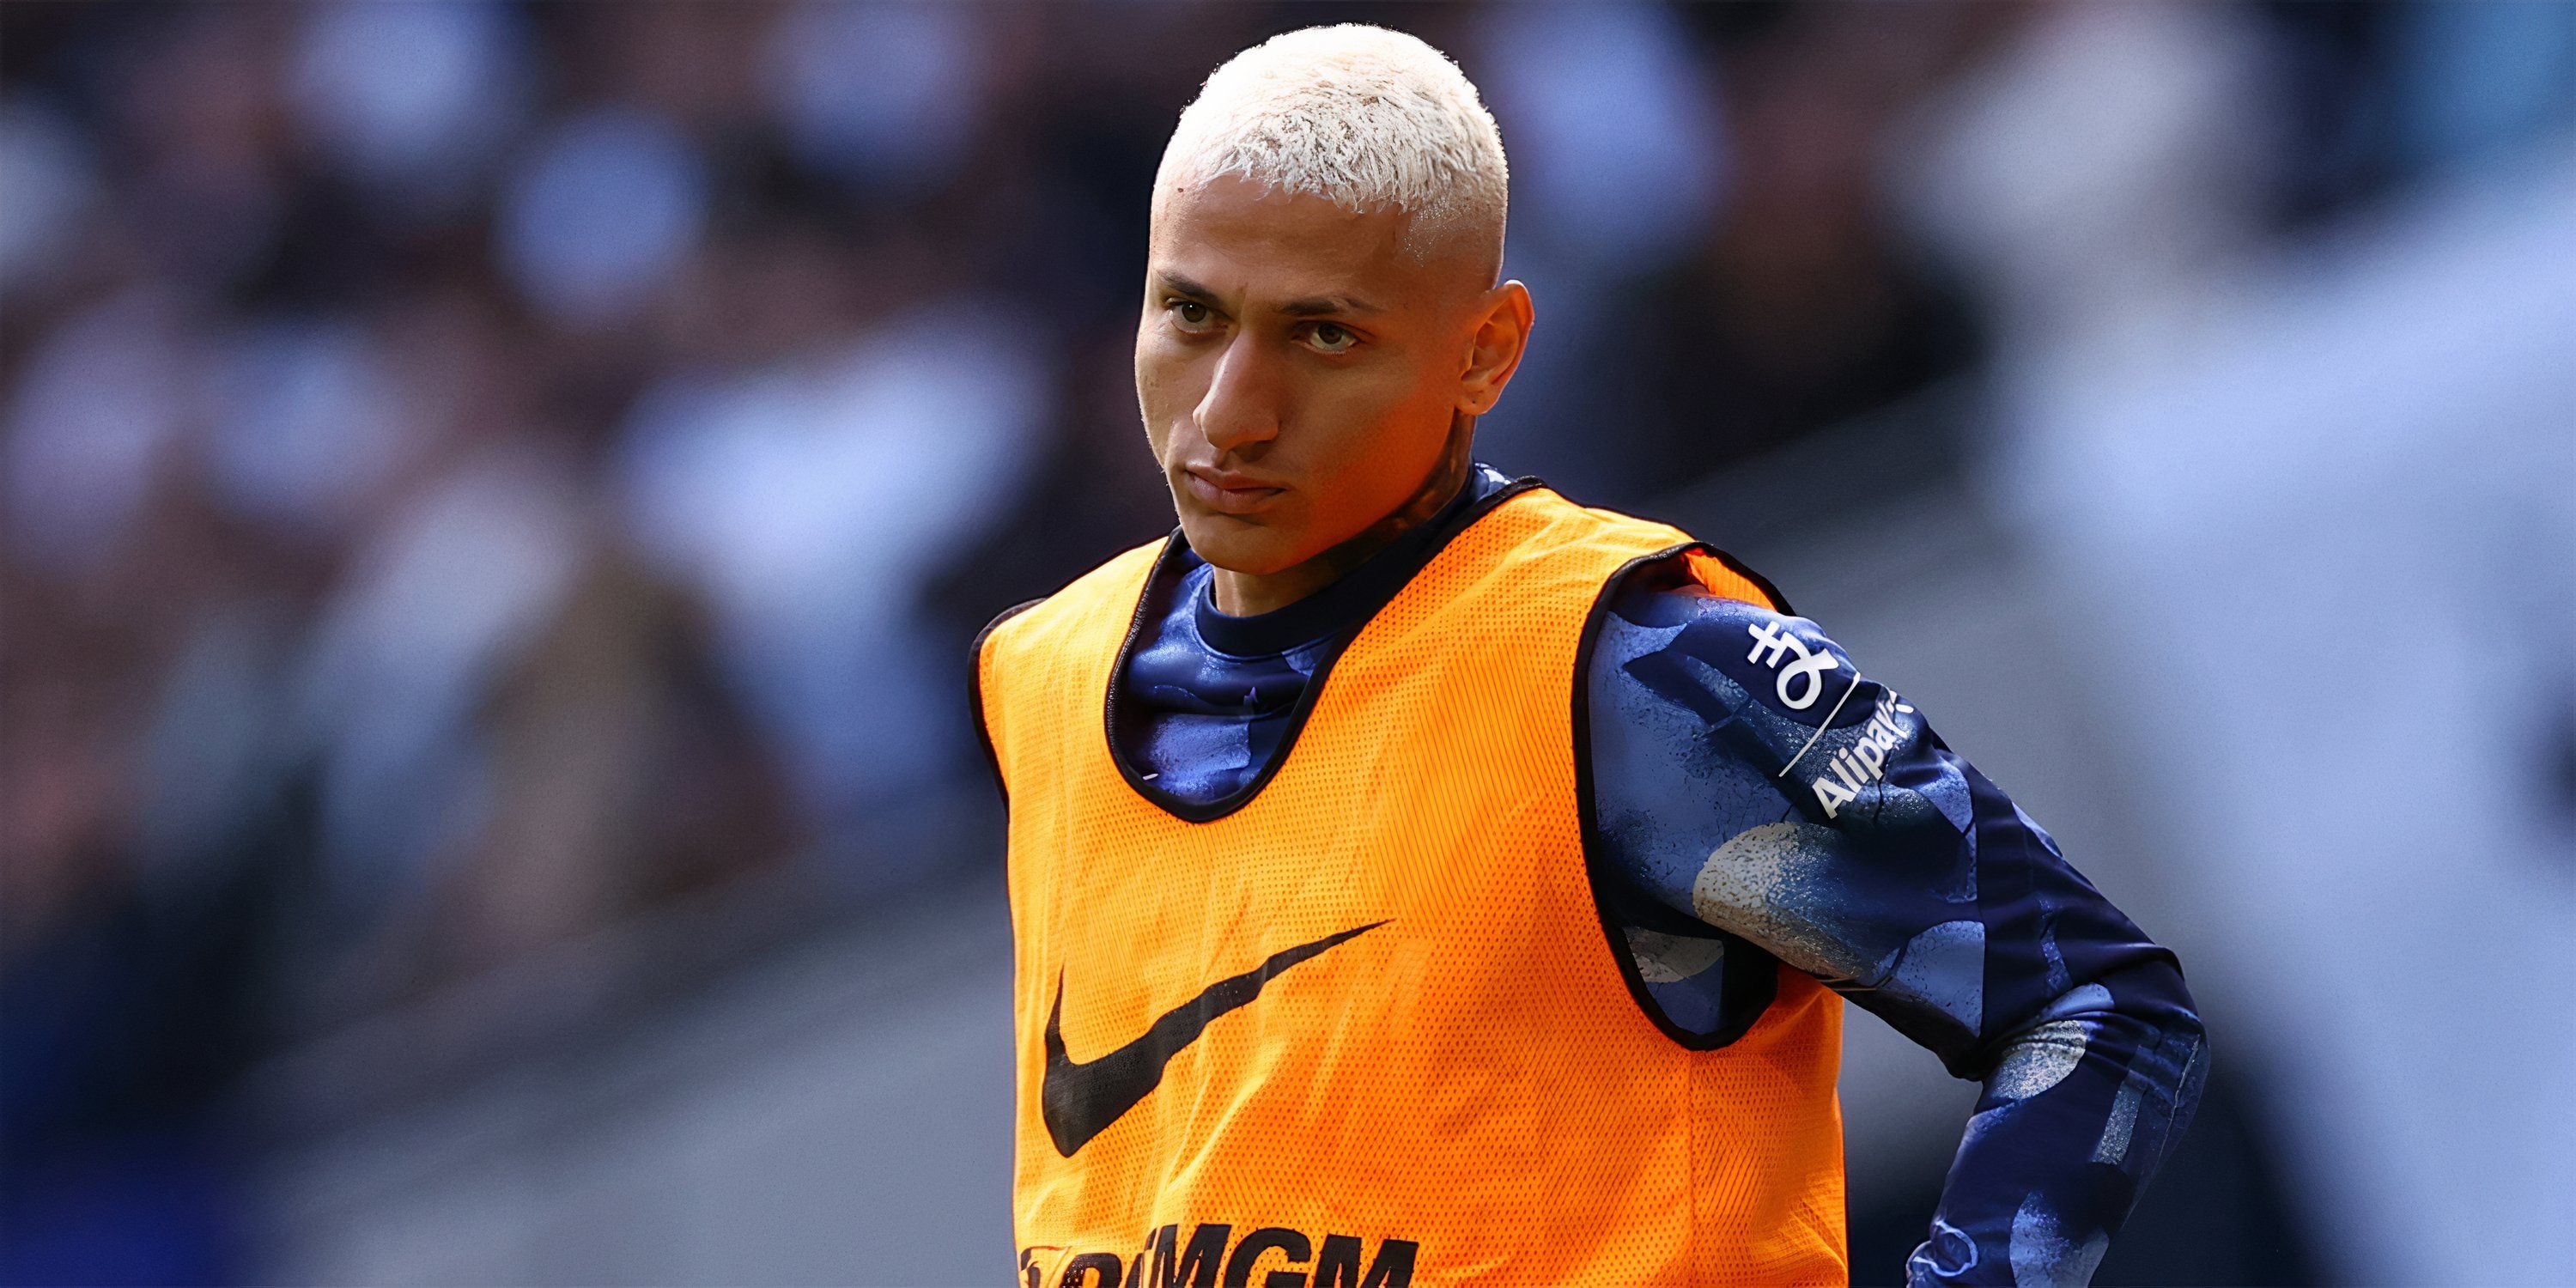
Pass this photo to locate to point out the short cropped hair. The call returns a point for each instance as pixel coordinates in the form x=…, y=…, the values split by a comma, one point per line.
x=1361, y=116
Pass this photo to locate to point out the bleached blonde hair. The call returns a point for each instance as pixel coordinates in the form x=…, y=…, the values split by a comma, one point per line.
x=1361, y=116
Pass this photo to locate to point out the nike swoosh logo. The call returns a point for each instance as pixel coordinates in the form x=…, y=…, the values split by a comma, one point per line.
x=1080, y=1098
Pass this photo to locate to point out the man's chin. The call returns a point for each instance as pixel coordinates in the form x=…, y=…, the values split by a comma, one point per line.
x=1237, y=544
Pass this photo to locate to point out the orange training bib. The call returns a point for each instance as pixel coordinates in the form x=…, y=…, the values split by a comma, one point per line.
x=1366, y=1030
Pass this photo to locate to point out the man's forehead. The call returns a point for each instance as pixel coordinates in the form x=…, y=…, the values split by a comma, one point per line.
x=1229, y=236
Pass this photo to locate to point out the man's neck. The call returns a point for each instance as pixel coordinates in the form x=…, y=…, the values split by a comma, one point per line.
x=1243, y=594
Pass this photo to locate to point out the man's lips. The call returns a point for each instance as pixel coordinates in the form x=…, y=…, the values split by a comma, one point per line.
x=1230, y=493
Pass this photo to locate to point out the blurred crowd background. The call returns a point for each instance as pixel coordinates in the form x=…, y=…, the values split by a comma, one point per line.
x=494, y=497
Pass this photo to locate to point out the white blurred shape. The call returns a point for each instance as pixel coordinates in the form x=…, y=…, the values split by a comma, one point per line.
x=1612, y=131
x=2312, y=516
x=96, y=406
x=2322, y=550
x=415, y=97
x=811, y=499
x=1618, y=158
x=882, y=93
x=307, y=426
x=443, y=598
x=599, y=214
x=45, y=185
x=2112, y=155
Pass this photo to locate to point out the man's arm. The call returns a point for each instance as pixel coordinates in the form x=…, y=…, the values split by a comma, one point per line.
x=1746, y=774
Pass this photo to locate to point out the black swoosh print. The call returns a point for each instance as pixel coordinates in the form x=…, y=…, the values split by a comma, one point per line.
x=1080, y=1098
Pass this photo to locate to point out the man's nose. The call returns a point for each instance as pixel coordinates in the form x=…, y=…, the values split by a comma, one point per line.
x=1242, y=401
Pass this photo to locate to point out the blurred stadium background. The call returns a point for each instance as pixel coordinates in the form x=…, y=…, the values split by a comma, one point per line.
x=493, y=498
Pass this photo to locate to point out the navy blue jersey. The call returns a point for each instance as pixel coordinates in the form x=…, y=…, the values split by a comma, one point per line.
x=1758, y=801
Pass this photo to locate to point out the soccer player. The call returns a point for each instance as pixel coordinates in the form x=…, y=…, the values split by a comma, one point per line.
x=1418, y=877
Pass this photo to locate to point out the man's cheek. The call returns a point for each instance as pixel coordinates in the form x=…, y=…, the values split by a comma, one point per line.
x=1165, y=396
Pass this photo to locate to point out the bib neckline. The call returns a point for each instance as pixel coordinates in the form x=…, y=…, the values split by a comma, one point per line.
x=1189, y=811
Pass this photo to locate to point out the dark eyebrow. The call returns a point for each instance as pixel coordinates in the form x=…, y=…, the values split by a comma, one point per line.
x=1182, y=285
x=1317, y=306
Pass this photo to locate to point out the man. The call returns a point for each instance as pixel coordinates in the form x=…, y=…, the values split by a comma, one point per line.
x=1417, y=877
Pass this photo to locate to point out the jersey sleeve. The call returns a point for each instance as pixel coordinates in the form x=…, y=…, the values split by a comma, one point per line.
x=1748, y=776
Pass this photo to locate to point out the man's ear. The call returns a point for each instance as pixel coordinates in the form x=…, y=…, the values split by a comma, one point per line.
x=1494, y=352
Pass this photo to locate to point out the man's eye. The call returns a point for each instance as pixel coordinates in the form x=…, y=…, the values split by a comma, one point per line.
x=1332, y=338
x=1190, y=312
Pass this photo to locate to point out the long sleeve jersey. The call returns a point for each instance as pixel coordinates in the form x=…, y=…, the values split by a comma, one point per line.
x=1759, y=801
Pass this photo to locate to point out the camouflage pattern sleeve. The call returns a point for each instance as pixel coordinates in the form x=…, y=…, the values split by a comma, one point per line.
x=1748, y=777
